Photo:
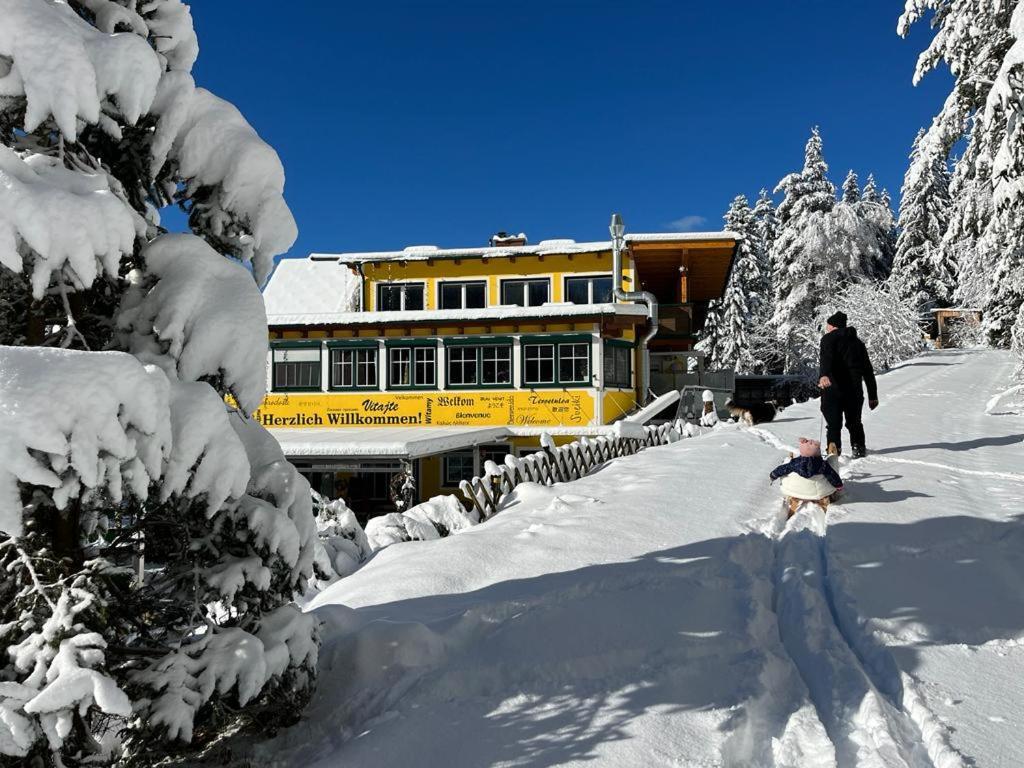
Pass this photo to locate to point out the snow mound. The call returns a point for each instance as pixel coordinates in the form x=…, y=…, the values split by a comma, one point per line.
x=200, y=315
x=70, y=220
x=342, y=544
x=66, y=68
x=237, y=176
x=78, y=422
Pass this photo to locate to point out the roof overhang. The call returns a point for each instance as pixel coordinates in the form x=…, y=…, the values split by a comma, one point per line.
x=489, y=316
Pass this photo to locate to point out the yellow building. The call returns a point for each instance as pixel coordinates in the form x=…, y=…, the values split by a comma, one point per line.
x=435, y=360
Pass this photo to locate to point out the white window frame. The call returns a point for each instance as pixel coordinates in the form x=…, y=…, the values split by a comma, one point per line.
x=462, y=285
x=527, y=359
x=572, y=358
x=404, y=285
x=526, y=292
x=590, y=278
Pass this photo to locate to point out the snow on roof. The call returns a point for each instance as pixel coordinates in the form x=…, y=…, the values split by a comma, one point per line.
x=459, y=315
x=543, y=248
x=383, y=442
x=312, y=285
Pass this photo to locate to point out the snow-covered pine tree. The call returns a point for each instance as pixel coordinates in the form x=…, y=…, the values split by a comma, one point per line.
x=875, y=209
x=744, y=300
x=101, y=125
x=709, y=337
x=1003, y=132
x=974, y=38
x=851, y=188
x=922, y=271
x=765, y=227
x=804, y=274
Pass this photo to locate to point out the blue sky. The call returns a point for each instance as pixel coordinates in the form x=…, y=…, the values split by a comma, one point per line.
x=443, y=122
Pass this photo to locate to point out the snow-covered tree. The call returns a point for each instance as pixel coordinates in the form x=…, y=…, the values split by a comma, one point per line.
x=979, y=41
x=851, y=188
x=803, y=276
x=886, y=323
x=708, y=341
x=922, y=272
x=101, y=125
x=745, y=297
x=766, y=226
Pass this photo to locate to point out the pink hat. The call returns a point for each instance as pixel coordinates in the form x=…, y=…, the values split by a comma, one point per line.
x=809, y=447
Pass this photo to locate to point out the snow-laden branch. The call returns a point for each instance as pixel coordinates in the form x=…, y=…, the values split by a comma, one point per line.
x=67, y=68
x=64, y=220
x=78, y=422
x=234, y=180
x=196, y=314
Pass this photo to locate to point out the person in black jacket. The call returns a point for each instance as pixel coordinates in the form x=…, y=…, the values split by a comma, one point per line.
x=844, y=371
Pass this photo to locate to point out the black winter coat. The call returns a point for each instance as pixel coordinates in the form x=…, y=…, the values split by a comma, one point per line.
x=844, y=359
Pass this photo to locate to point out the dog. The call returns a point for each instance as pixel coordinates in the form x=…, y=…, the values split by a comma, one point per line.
x=752, y=413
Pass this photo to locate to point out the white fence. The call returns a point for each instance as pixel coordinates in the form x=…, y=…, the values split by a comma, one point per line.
x=553, y=465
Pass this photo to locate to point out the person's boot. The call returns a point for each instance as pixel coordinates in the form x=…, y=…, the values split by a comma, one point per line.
x=833, y=450
x=859, y=451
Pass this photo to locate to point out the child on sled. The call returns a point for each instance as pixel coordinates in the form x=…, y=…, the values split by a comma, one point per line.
x=808, y=477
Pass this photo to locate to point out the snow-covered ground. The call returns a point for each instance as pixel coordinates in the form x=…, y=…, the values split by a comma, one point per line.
x=663, y=612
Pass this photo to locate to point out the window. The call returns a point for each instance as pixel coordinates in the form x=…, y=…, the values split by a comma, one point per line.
x=556, y=361
x=526, y=293
x=497, y=365
x=484, y=365
x=297, y=368
x=596, y=289
x=354, y=368
x=618, y=365
x=396, y=297
x=462, y=366
x=457, y=467
x=539, y=363
x=574, y=363
x=414, y=366
x=466, y=295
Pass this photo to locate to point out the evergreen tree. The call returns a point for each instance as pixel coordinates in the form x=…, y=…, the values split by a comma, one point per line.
x=101, y=452
x=922, y=272
x=876, y=212
x=743, y=300
x=851, y=188
x=981, y=44
x=803, y=277
x=765, y=227
x=870, y=192
x=708, y=341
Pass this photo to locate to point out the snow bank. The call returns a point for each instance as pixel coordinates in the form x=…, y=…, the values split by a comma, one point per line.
x=78, y=422
x=197, y=314
x=342, y=544
x=70, y=220
x=214, y=149
x=66, y=68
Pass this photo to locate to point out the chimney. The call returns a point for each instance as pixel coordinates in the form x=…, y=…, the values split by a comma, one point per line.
x=504, y=239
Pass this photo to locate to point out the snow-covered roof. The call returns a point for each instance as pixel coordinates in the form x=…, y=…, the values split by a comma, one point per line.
x=416, y=442
x=543, y=248
x=311, y=285
x=490, y=314
x=383, y=442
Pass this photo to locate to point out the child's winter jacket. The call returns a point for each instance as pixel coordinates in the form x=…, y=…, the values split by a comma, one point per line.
x=808, y=466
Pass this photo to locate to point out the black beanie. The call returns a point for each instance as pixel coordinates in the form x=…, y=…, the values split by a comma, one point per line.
x=838, y=320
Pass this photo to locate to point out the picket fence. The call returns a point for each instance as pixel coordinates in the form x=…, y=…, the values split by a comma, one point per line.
x=554, y=464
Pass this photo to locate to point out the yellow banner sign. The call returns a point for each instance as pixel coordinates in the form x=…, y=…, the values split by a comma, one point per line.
x=545, y=408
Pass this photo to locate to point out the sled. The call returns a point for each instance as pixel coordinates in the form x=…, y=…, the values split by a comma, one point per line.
x=814, y=490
